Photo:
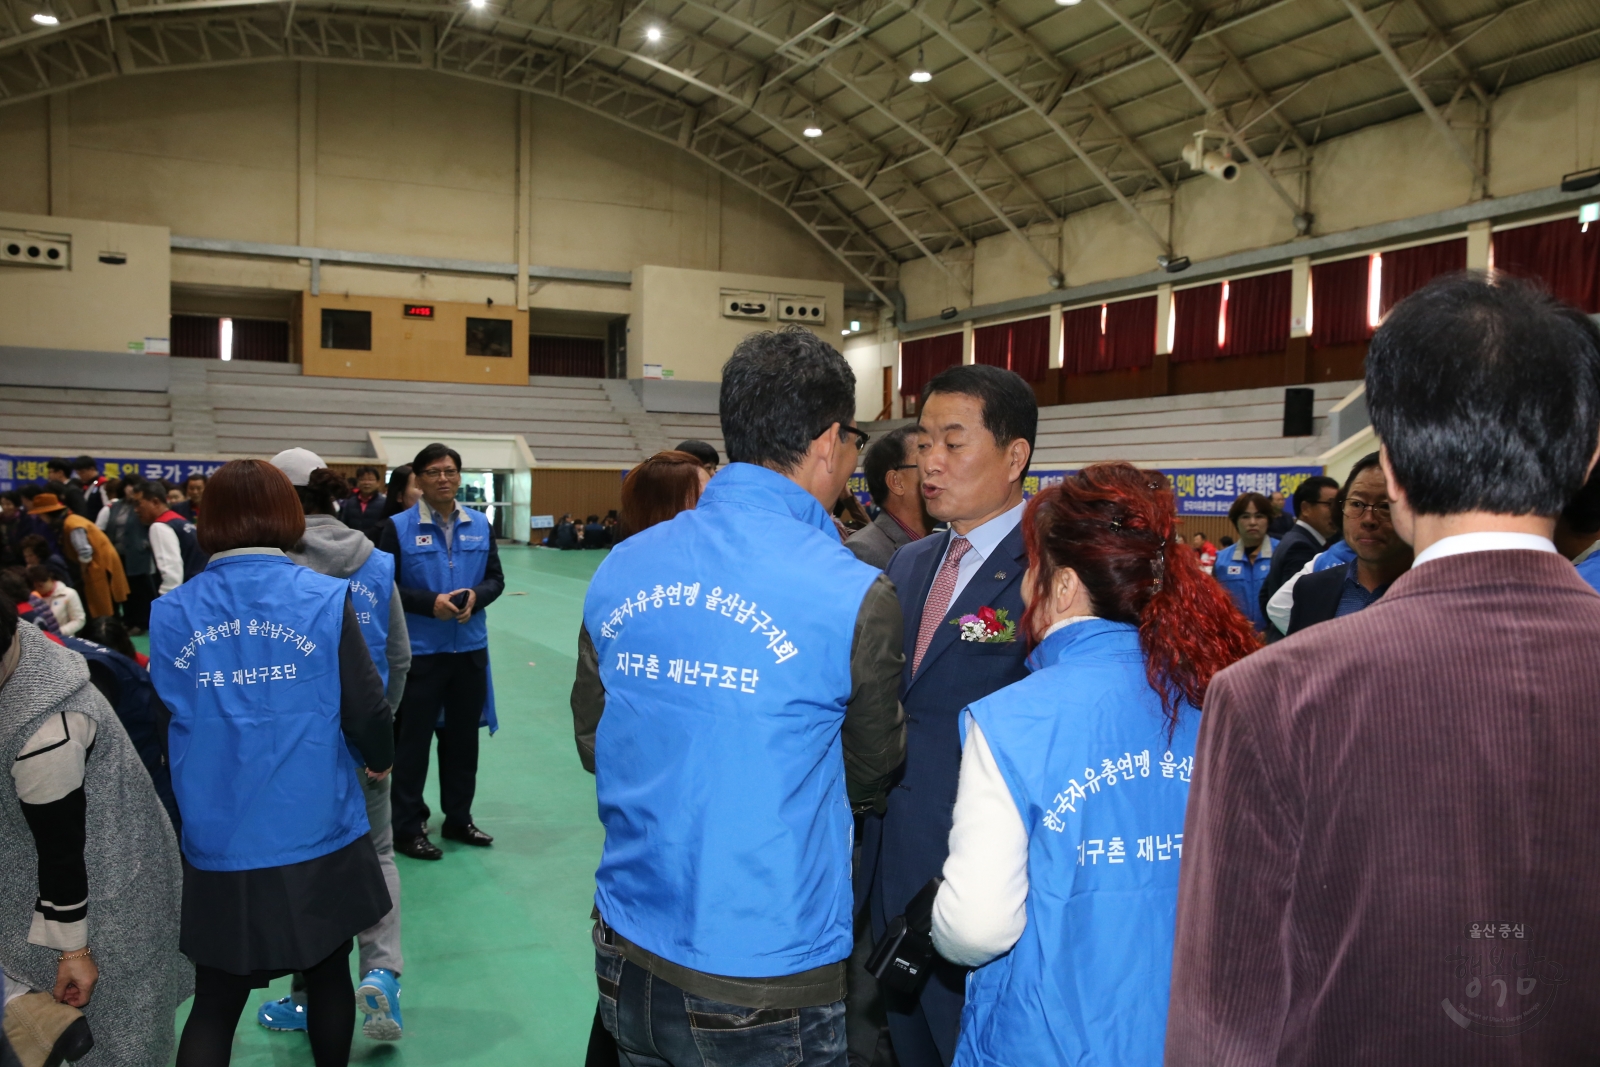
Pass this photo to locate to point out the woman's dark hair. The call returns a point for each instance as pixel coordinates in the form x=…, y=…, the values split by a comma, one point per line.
x=1485, y=392
x=38, y=572
x=108, y=630
x=13, y=496
x=395, y=496
x=1010, y=408
x=656, y=490
x=780, y=390
x=1112, y=524
x=36, y=544
x=322, y=491
x=14, y=587
x=1262, y=504
x=250, y=504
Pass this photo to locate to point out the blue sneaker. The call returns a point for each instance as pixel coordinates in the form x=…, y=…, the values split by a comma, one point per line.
x=379, y=1000
x=287, y=1014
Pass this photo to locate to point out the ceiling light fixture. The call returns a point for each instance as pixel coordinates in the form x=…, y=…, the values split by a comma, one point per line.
x=45, y=17
x=1173, y=264
x=1068, y=3
x=478, y=5
x=653, y=33
x=812, y=130
x=920, y=72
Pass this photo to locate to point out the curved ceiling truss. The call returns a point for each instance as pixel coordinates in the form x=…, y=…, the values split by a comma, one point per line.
x=1035, y=110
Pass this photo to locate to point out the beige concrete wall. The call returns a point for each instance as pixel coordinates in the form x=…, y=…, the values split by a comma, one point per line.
x=1540, y=131
x=677, y=318
x=91, y=306
x=25, y=157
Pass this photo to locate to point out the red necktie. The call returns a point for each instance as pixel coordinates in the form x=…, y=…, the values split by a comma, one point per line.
x=938, y=602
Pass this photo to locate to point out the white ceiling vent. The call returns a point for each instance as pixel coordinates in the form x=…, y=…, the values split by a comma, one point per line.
x=739, y=304
x=35, y=250
x=807, y=309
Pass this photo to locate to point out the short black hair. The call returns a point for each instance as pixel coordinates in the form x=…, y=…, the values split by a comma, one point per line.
x=1582, y=513
x=1365, y=463
x=884, y=454
x=1010, y=410
x=84, y=463
x=196, y=476
x=1309, y=490
x=1485, y=392
x=56, y=463
x=432, y=452
x=374, y=471
x=701, y=451
x=780, y=390
x=109, y=631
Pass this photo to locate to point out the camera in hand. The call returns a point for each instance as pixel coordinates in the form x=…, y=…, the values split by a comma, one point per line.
x=905, y=957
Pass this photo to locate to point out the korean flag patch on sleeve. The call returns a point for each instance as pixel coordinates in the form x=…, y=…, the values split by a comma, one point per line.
x=424, y=540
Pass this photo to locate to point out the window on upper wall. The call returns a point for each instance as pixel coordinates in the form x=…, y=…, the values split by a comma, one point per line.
x=347, y=329
x=489, y=337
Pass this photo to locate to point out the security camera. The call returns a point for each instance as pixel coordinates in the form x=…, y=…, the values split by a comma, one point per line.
x=1215, y=163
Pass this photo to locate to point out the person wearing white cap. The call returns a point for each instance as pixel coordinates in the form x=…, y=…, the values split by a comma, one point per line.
x=332, y=548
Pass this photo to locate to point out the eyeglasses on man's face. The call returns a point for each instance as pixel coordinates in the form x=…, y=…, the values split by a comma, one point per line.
x=440, y=474
x=862, y=436
x=1357, y=509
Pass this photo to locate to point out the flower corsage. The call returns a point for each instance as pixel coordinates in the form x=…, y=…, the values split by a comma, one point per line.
x=988, y=625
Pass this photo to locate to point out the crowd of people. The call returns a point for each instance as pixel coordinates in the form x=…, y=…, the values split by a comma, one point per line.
x=967, y=779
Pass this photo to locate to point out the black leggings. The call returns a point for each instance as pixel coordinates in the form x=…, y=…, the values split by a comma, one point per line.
x=220, y=998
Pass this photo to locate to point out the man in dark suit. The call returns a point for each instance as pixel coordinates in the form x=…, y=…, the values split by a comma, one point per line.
x=895, y=483
x=1381, y=556
x=1315, y=522
x=1389, y=853
x=977, y=427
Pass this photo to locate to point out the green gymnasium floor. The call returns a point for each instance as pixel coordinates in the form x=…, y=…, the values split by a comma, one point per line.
x=499, y=969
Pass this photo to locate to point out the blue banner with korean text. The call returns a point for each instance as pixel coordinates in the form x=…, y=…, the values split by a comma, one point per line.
x=1204, y=490
x=18, y=471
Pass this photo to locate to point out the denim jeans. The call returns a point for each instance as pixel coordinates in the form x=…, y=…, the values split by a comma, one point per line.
x=656, y=1024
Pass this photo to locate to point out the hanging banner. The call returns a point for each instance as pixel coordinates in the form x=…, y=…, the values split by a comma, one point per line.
x=17, y=471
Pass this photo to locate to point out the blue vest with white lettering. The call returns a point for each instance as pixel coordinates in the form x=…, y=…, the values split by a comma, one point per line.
x=371, y=590
x=724, y=639
x=428, y=562
x=1243, y=579
x=1083, y=749
x=246, y=657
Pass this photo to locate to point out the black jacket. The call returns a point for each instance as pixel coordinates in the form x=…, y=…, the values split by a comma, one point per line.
x=1294, y=551
x=1316, y=597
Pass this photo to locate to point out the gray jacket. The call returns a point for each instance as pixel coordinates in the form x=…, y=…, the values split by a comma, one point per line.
x=332, y=548
x=135, y=875
x=874, y=544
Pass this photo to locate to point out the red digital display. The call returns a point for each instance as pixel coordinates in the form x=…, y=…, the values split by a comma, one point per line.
x=419, y=311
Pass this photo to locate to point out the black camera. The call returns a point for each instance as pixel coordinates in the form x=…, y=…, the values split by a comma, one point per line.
x=905, y=957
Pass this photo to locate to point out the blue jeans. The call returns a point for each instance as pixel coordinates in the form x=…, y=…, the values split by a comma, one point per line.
x=656, y=1024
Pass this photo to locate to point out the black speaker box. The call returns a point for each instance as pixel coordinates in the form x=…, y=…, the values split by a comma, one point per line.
x=1297, y=419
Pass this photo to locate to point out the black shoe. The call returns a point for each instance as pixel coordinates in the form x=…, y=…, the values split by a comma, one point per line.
x=467, y=835
x=418, y=848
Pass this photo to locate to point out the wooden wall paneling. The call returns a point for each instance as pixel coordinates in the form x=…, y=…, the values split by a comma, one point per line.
x=1228, y=372
x=1337, y=363
x=416, y=350
x=556, y=490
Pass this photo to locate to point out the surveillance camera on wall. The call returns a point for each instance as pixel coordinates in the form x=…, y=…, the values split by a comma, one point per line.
x=1216, y=163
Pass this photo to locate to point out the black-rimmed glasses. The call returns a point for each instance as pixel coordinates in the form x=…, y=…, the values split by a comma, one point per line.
x=1357, y=509
x=862, y=436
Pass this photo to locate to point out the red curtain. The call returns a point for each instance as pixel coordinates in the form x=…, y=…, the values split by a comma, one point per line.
x=991, y=345
x=1131, y=333
x=1023, y=347
x=1081, y=341
x=196, y=337
x=1405, y=270
x=261, y=340
x=1339, y=302
x=1258, y=314
x=925, y=357
x=567, y=357
x=1559, y=254
x=1195, y=333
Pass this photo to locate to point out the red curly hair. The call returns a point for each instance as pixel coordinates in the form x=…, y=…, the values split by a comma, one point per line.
x=1113, y=523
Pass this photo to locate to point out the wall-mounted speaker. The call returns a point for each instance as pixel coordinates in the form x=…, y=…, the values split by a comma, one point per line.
x=807, y=309
x=35, y=250
x=1297, y=412
x=738, y=304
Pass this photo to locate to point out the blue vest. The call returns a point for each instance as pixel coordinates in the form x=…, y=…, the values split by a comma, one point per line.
x=1083, y=749
x=246, y=657
x=724, y=639
x=371, y=592
x=194, y=557
x=1589, y=571
x=427, y=562
x=1243, y=579
x=1335, y=555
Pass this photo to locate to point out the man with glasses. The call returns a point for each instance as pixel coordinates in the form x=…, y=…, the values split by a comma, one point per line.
x=1315, y=521
x=742, y=702
x=1381, y=556
x=893, y=479
x=448, y=571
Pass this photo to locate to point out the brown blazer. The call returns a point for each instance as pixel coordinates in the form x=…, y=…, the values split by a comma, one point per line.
x=1370, y=794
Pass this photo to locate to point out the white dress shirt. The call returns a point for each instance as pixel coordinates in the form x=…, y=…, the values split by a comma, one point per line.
x=168, y=556
x=1483, y=541
x=984, y=540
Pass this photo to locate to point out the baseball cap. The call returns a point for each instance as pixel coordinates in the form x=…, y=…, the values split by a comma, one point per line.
x=298, y=463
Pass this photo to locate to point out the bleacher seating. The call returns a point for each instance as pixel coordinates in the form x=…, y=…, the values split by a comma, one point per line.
x=707, y=428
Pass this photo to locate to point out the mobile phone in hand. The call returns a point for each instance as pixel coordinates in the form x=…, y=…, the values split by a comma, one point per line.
x=460, y=599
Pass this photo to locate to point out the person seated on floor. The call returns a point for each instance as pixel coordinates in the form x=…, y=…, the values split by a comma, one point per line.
x=594, y=534
x=29, y=606
x=36, y=550
x=65, y=603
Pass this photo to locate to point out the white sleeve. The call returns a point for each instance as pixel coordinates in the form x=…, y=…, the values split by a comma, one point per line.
x=80, y=544
x=981, y=911
x=168, y=557
x=103, y=520
x=70, y=618
x=1282, y=602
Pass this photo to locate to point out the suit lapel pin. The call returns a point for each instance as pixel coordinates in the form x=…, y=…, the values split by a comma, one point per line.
x=999, y=576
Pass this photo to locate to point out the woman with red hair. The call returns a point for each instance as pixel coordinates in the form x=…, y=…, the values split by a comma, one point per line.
x=1062, y=881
